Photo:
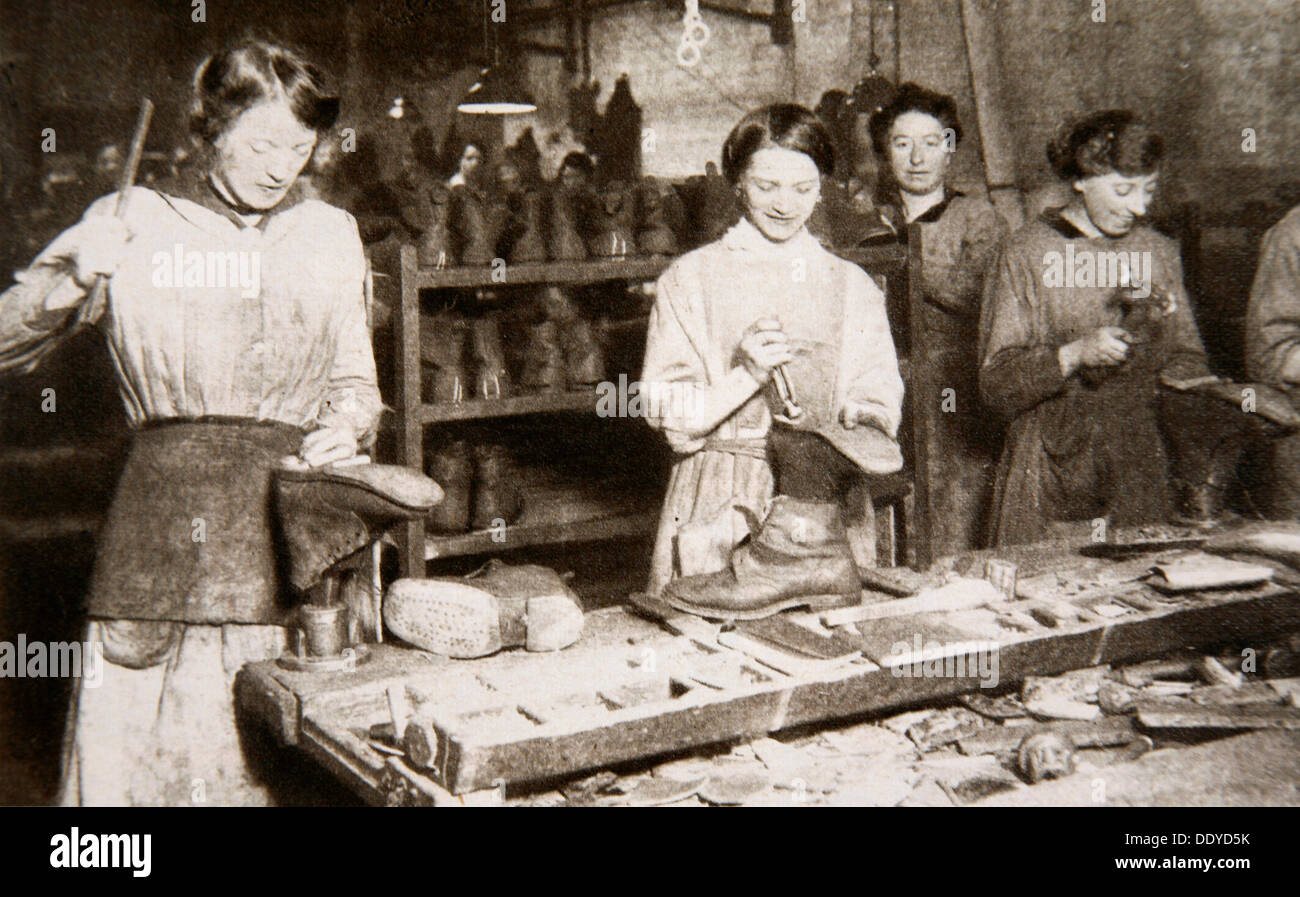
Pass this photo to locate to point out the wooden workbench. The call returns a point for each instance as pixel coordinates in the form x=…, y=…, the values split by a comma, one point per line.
x=630, y=689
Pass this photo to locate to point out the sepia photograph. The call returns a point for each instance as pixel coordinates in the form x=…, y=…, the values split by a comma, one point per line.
x=636, y=403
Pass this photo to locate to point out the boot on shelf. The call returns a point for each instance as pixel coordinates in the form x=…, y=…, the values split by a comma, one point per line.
x=656, y=236
x=568, y=208
x=493, y=381
x=434, y=246
x=478, y=225
x=615, y=222
x=528, y=246
x=582, y=349
x=544, y=359
x=452, y=468
x=799, y=556
x=442, y=345
x=496, y=487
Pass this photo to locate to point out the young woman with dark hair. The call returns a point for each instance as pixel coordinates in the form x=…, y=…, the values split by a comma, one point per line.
x=1086, y=309
x=915, y=136
x=236, y=318
x=727, y=314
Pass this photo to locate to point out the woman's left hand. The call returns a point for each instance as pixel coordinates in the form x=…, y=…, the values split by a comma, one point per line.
x=855, y=414
x=327, y=445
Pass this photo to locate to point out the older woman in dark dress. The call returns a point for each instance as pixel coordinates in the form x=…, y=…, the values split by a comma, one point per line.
x=915, y=136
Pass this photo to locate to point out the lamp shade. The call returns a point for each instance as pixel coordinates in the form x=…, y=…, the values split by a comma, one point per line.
x=496, y=93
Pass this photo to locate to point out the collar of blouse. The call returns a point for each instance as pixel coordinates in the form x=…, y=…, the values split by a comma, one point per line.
x=194, y=185
x=743, y=236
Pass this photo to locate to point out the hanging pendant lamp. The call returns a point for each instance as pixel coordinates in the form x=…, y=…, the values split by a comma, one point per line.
x=497, y=91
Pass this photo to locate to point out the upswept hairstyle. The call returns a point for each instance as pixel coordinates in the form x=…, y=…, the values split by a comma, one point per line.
x=784, y=125
x=231, y=81
x=1102, y=142
x=913, y=97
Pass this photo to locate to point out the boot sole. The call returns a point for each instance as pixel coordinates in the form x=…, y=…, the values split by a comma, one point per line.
x=465, y=622
x=814, y=603
x=452, y=620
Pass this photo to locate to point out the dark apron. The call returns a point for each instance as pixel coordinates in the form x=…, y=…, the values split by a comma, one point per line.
x=190, y=536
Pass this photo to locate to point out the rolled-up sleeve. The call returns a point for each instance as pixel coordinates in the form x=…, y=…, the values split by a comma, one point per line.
x=352, y=393
x=34, y=308
x=681, y=401
x=870, y=362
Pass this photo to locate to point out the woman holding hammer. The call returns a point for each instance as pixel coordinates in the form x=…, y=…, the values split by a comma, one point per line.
x=764, y=298
x=235, y=316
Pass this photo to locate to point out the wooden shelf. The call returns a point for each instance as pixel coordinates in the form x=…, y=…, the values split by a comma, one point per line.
x=525, y=273
x=558, y=511
x=482, y=409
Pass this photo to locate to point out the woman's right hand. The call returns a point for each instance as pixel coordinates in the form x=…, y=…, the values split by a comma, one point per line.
x=763, y=347
x=1104, y=347
x=99, y=244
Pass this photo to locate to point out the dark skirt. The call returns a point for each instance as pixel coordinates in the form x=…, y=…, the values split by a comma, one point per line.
x=191, y=533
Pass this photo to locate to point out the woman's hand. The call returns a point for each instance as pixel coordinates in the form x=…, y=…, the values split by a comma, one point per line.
x=1104, y=347
x=855, y=414
x=328, y=445
x=100, y=245
x=763, y=347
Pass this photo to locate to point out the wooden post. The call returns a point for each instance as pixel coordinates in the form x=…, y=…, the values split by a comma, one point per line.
x=410, y=424
x=923, y=407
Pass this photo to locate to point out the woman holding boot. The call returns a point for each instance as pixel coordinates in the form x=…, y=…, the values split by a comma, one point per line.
x=764, y=296
x=1085, y=311
x=221, y=380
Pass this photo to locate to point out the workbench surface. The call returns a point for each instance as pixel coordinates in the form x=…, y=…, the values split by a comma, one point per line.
x=631, y=689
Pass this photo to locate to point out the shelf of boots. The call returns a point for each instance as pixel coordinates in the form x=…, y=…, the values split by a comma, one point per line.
x=562, y=273
x=558, y=510
x=534, y=403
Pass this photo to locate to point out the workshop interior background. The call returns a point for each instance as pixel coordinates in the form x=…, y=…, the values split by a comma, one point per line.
x=1202, y=69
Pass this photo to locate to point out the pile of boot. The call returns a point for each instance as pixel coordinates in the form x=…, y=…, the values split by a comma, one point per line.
x=500, y=606
x=480, y=487
x=563, y=351
x=443, y=340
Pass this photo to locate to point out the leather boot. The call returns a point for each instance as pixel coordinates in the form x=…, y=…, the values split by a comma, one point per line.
x=502, y=606
x=799, y=556
x=586, y=359
x=614, y=223
x=434, y=246
x=544, y=359
x=567, y=209
x=327, y=513
x=496, y=490
x=529, y=246
x=493, y=381
x=442, y=345
x=656, y=236
x=452, y=468
x=478, y=223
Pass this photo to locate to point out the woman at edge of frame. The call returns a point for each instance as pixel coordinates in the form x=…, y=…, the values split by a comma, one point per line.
x=915, y=136
x=711, y=345
x=1063, y=362
x=220, y=381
